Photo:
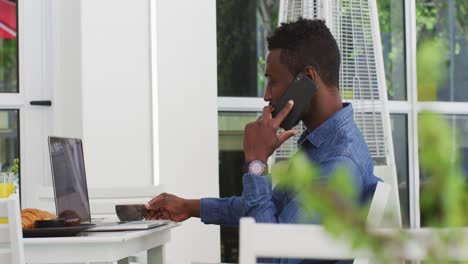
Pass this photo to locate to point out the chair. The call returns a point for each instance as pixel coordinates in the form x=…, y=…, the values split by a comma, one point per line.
x=11, y=236
x=293, y=241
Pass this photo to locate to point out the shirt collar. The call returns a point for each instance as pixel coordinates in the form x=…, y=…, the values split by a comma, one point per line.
x=327, y=128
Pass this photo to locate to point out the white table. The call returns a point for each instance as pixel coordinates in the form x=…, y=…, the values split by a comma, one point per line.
x=99, y=246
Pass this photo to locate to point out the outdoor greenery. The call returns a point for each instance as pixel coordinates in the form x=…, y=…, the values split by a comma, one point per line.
x=15, y=167
x=242, y=28
x=435, y=25
x=391, y=20
x=442, y=23
x=237, y=47
x=8, y=66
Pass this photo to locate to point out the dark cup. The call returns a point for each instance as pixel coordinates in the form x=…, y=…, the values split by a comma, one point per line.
x=130, y=212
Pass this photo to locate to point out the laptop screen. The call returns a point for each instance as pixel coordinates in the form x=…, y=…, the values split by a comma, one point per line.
x=69, y=177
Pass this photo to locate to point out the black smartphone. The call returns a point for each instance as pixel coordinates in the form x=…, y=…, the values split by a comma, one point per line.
x=300, y=91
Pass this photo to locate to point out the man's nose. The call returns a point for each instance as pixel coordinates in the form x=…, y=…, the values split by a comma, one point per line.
x=267, y=95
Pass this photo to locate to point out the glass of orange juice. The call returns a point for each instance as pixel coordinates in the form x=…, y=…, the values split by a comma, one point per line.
x=6, y=188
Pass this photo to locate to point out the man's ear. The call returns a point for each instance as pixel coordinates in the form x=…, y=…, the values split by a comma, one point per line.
x=311, y=73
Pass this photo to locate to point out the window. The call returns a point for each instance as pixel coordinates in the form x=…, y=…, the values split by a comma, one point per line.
x=9, y=143
x=399, y=124
x=231, y=160
x=8, y=48
x=242, y=27
x=9, y=113
x=459, y=124
x=392, y=31
x=425, y=46
x=442, y=25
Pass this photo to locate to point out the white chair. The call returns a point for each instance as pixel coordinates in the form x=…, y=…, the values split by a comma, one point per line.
x=11, y=236
x=305, y=241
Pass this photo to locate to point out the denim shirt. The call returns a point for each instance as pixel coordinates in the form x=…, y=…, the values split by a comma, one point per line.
x=336, y=142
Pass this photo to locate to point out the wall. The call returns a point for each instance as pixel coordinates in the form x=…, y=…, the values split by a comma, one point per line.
x=100, y=75
x=116, y=91
x=188, y=118
x=63, y=40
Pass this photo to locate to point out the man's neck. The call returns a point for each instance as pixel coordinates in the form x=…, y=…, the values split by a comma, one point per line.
x=324, y=106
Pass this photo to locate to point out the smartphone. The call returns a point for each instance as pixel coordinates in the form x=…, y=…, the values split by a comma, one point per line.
x=300, y=91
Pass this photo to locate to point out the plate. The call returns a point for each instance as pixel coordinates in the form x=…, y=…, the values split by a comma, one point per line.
x=55, y=231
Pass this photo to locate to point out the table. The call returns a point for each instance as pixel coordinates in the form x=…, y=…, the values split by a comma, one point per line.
x=99, y=246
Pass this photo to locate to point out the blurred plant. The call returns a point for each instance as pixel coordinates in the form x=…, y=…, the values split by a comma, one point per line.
x=335, y=201
x=433, y=22
x=444, y=198
x=431, y=62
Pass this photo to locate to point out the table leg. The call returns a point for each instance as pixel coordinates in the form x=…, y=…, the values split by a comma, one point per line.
x=156, y=255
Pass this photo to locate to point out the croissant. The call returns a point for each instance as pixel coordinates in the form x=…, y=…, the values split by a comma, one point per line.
x=29, y=216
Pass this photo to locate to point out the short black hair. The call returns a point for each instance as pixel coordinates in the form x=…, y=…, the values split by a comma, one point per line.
x=307, y=42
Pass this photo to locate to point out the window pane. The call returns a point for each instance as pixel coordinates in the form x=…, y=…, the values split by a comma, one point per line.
x=9, y=143
x=242, y=27
x=231, y=161
x=8, y=48
x=442, y=49
x=460, y=123
x=400, y=147
x=392, y=31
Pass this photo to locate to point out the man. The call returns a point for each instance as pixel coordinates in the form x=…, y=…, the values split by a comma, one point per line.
x=331, y=140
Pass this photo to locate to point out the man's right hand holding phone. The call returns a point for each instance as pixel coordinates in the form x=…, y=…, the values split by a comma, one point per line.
x=261, y=138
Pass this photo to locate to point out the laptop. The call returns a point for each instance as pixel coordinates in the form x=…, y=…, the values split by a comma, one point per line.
x=71, y=189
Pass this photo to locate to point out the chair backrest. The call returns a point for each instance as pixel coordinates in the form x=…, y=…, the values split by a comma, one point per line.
x=376, y=213
x=305, y=241
x=378, y=205
x=11, y=236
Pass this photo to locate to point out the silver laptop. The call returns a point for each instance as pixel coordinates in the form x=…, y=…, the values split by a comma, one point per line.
x=71, y=189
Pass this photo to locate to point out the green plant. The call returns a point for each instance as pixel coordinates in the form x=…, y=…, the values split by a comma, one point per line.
x=15, y=167
x=444, y=198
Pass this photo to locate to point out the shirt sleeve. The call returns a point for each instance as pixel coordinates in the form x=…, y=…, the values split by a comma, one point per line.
x=221, y=211
x=256, y=201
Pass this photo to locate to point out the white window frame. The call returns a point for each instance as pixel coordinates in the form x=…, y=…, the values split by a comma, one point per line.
x=154, y=91
x=31, y=86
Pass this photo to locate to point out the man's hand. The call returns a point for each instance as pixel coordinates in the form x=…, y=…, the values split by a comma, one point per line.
x=170, y=207
x=260, y=137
